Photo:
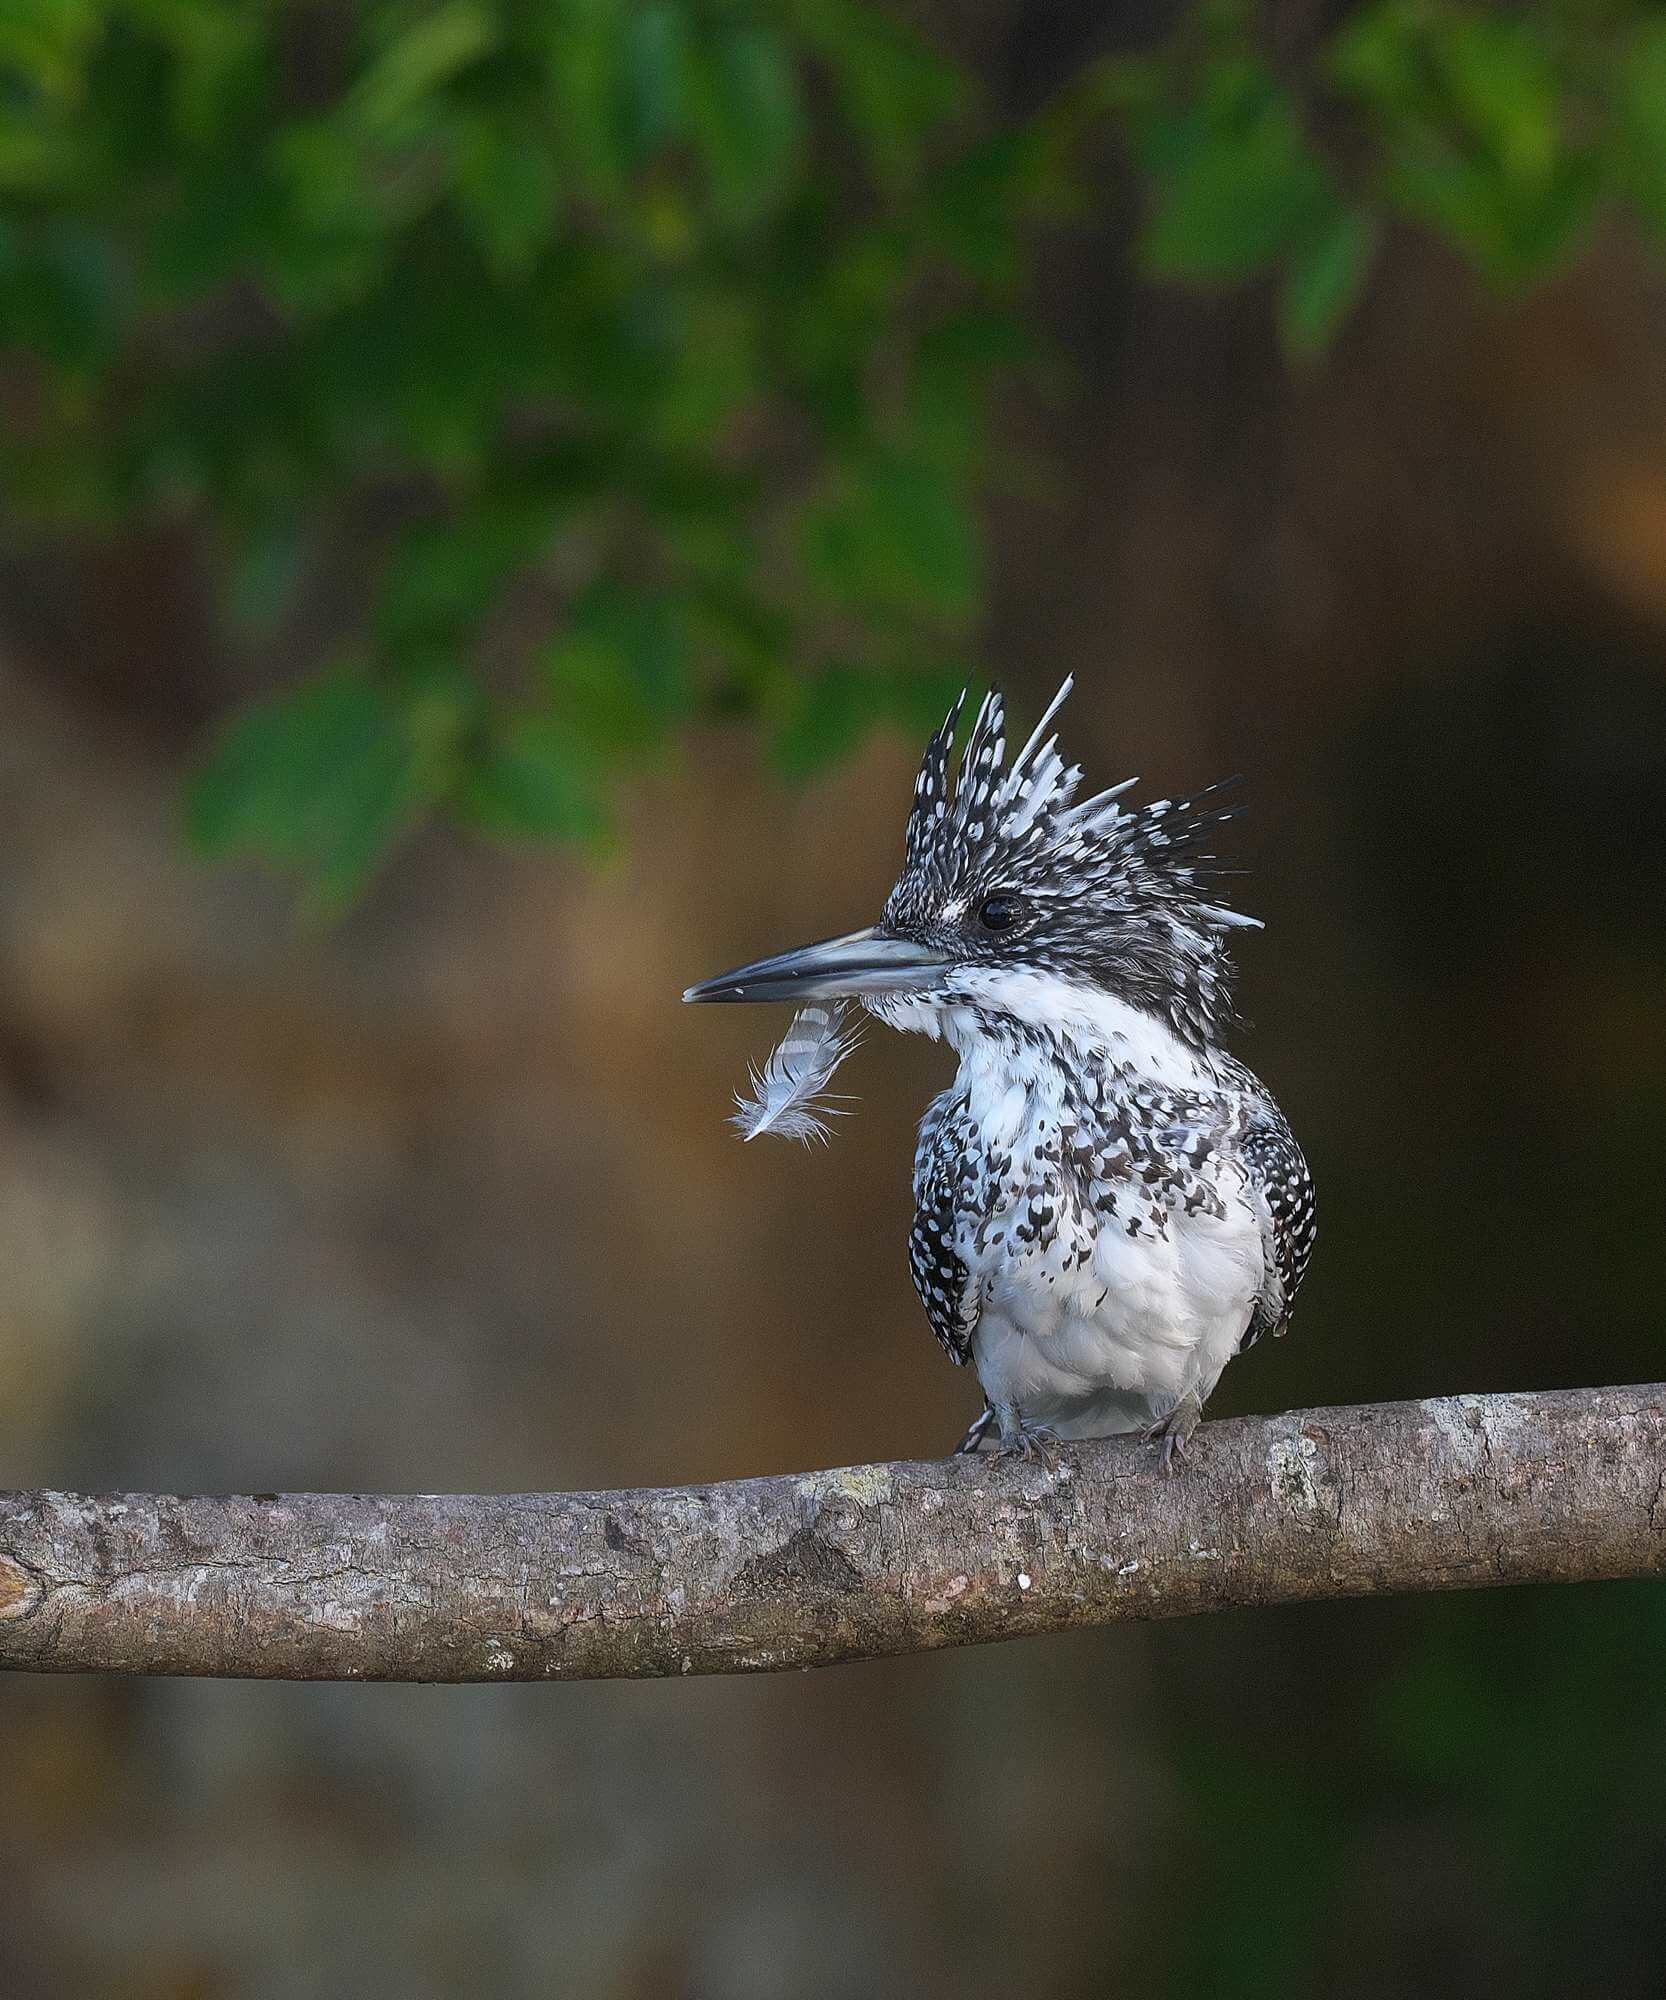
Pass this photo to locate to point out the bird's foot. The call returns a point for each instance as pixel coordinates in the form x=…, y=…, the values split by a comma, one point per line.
x=1172, y=1433
x=1030, y=1442
x=977, y=1431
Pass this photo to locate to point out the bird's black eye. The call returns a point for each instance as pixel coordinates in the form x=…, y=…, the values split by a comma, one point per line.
x=999, y=913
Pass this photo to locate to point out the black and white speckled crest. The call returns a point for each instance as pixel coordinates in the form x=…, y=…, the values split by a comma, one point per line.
x=1118, y=897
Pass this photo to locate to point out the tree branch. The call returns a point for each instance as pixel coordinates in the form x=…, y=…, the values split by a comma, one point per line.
x=807, y=1570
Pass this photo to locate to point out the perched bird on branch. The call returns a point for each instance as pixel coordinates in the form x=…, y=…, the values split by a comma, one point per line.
x=1108, y=1206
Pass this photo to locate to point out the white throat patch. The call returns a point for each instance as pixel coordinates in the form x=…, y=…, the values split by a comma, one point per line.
x=1093, y=1021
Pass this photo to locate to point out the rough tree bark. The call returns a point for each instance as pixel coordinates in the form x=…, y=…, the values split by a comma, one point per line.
x=811, y=1569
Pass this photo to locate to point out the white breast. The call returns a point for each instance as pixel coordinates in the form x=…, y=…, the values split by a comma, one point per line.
x=1116, y=1345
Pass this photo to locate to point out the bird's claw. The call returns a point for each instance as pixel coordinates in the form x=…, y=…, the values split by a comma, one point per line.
x=1171, y=1446
x=1030, y=1443
x=1172, y=1434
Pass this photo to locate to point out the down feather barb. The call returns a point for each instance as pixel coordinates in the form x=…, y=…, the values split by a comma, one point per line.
x=788, y=1094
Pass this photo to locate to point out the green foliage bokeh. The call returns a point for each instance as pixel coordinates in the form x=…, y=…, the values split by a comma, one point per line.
x=639, y=361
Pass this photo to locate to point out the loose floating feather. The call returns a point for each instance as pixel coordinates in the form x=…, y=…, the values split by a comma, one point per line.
x=785, y=1091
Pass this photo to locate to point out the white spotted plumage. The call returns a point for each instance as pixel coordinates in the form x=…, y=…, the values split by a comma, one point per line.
x=1092, y=1238
x=1108, y=1205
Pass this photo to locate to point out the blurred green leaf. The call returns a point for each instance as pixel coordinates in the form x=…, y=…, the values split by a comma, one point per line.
x=651, y=353
x=1476, y=135
x=43, y=44
x=585, y=59
x=66, y=295
x=531, y=781
x=898, y=94
x=1376, y=57
x=1641, y=137
x=977, y=208
x=424, y=57
x=1513, y=235
x=621, y=677
x=1499, y=75
x=34, y=159
x=894, y=532
x=1323, y=281
x=955, y=362
x=263, y=577
x=508, y=189
x=658, y=69
x=818, y=720
x=748, y=120
x=322, y=779
x=713, y=374
x=445, y=576
x=1234, y=180
x=823, y=719
x=917, y=700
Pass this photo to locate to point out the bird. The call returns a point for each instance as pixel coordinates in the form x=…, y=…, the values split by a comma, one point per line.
x=1109, y=1206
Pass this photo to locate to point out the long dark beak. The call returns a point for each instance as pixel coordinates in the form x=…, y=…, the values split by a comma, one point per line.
x=837, y=969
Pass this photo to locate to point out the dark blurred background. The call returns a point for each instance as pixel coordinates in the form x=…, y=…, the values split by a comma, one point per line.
x=541, y=414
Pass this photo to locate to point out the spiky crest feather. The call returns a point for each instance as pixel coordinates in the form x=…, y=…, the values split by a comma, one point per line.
x=1121, y=897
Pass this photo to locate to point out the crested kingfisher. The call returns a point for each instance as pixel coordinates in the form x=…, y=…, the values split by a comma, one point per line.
x=1108, y=1206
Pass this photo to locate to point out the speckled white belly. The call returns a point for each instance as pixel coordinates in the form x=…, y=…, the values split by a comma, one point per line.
x=1112, y=1344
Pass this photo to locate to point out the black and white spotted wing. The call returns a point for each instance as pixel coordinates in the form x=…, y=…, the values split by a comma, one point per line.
x=1278, y=1174
x=940, y=1277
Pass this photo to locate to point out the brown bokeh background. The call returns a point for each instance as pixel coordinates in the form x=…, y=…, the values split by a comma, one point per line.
x=445, y=1199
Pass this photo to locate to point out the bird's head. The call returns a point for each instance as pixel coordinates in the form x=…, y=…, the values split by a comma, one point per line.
x=1018, y=902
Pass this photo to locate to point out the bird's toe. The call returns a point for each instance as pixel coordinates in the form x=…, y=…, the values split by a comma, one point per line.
x=1033, y=1443
x=1172, y=1434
